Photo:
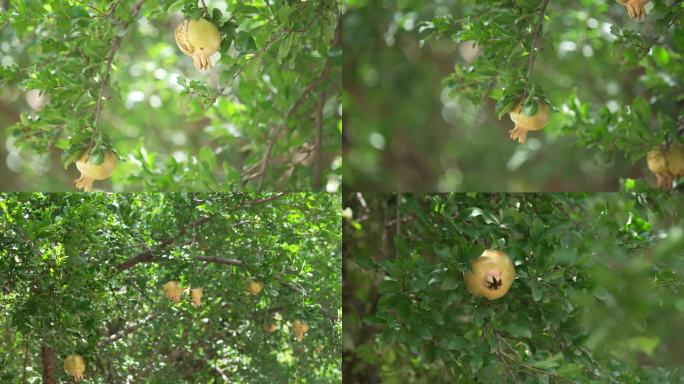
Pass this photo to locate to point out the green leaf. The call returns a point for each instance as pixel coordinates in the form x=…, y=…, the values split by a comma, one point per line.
x=216, y=16
x=517, y=330
x=207, y=159
x=450, y=282
x=475, y=363
x=401, y=246
x=245, y=42
x=285, y=46
x=97, y=155
x=642, y=109
x=530, y=107
x=552, y=362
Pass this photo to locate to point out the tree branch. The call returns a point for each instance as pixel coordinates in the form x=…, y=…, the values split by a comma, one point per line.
x=116, y=43
x=536, y=36
x=292, y=286
x=220, y=260
x=129, y=329
x=149, y=254
x=318, y=166
x=26, y=353
x=275, y=131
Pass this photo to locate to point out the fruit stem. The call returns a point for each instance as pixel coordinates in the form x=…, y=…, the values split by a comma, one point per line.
x=533, y=52
x=206, y=10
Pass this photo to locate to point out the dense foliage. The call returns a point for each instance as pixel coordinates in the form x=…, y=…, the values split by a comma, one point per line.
x=83, y=274
x=597, y=298
x=104, y=75
x=428, y=83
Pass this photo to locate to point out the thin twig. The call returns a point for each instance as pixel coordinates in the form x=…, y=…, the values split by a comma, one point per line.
x=206, y=10
x=92, y=7
x=26, y=353
x=533, y=52
x=398, y=214
x=500, y=352
x=104, y=82
x=318, y=147
x=276, y=130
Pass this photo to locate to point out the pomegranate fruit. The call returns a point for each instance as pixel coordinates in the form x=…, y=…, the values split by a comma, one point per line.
x=524, y=123
x=74, y=365
x=491, y=276
x=196, y=296
x=91, y=172
x=300, y=328
x=198, y=39
x=254, y=287
x=636, y=9
x=173, y=291
x=666, y=164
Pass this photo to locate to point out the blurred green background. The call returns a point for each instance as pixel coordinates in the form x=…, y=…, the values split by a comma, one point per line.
x=597, y=297
x=407, y=128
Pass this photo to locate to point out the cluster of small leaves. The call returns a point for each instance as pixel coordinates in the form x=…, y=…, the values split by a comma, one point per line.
x=632, y=129
x=503, y=33
x=580, y=262
x=63, y=286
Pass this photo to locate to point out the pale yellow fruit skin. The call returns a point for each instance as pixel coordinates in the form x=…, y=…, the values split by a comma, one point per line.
x=666, y=165
x=255, y=287
x=490, y=262
x=300, y=328
x=675, y=160
x=270, y=327
x=524, y=123
x=74, y=365
x=199, y=39
x=636, y=9
x=173, y=291
x=196, y=296
x=91, y=172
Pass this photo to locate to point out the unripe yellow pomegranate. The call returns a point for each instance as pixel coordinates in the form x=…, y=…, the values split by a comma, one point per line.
x=196, y=296
x=254, y=287
x=91, y=172
x=199, y=39
x=491, y=276
x=524, y=123
x=173, y=291
x=300, y=328
x=74, y=365
x=270, y=326
x=636, y=9
x=36, y=99
x=666, y=164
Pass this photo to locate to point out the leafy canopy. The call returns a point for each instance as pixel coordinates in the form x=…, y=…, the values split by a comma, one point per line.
x=84, y=274
x=597, y=298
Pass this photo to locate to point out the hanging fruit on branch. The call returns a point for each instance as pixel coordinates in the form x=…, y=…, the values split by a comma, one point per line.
x=91, y=172
x=196, y=296
x=491, y=276
x=525, y=123
x=270, y=326
x=667, y=164
x=636, y=9
x=254, y=287
x=173, y=291
x=198, y=39
x=300, y=328
x=74, y=365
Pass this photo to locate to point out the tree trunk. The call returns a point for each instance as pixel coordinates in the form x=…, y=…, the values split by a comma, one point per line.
x=49, y=373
